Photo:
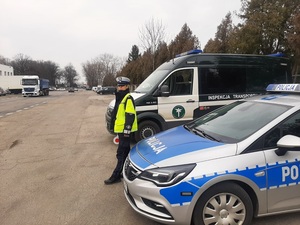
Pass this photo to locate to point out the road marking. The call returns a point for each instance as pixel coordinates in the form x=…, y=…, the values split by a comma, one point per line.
x=21, y=110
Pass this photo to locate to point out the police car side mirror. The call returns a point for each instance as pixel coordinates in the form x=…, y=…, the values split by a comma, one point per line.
x=165, y=91
x=288, y=143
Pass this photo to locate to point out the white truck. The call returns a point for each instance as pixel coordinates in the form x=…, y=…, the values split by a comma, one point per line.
x=35, y=86
x=11, y=83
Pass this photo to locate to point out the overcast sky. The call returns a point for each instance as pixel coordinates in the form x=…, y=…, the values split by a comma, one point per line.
x=75, y=31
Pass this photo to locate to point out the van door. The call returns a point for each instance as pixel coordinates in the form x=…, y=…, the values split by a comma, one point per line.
x=183, y=99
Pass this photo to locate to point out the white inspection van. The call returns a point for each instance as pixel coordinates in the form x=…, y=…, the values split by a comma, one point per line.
x=195, y=83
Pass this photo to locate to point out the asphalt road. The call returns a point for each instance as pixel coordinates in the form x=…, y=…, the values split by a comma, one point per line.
x=55, y=154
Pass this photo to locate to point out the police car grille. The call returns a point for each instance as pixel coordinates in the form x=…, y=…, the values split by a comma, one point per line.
x=131, y=172
x=158, y=207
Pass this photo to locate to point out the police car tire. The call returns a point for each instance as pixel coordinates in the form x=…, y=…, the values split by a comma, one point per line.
x=213, y=194
x=144, y=126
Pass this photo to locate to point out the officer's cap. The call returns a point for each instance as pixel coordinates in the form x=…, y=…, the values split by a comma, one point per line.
x=122, y=81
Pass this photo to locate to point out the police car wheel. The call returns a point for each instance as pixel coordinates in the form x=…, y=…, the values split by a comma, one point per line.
x=146, y=129
x=226, y=203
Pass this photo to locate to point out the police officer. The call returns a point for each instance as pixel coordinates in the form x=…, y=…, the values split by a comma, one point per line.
x=124, y=121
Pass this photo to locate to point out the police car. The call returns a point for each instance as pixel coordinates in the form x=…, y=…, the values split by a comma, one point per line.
x=226, y=167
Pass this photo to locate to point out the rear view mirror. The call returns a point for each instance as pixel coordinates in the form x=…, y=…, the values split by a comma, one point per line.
x=162, y=91
x=165, y=91
x=288, y=143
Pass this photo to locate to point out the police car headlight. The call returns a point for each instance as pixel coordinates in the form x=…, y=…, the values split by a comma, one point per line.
x=167, y=176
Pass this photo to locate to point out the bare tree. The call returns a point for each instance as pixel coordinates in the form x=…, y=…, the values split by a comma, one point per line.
x=151, y=35
x=112, y=66
x=22, y=64
x=97, y=69
x=90, y=73
x=4, y=61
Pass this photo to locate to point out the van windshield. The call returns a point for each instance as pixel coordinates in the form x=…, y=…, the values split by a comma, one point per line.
x=151, y=81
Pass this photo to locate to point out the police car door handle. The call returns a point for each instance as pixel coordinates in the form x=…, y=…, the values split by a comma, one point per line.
x=260, y=174
x=190, y=101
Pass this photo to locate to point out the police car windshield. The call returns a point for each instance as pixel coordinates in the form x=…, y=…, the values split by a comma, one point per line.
x=237, y=121
x=152, y=81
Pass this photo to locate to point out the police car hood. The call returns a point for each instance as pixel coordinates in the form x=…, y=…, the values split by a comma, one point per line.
x=177, y=146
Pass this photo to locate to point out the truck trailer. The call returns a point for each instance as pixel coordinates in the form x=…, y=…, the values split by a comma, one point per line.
x=35, y=86
x=11, y=83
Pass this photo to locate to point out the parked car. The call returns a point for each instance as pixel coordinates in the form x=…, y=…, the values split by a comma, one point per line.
x=226, y=167
x=2, y=92
x=106, y=90
x=71, y=89
x=52, y=88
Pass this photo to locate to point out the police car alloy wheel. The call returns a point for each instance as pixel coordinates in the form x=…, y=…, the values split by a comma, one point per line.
x=226, y=203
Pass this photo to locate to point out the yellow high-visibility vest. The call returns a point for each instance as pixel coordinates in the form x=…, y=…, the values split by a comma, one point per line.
x=120, y=117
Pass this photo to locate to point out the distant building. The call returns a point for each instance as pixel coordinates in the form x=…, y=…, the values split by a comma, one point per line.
x=6, y=70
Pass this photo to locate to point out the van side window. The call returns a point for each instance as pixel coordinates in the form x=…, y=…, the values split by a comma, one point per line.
x=181, y=82
x=214, y=80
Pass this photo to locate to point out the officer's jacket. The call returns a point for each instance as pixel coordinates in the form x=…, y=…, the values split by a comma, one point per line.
x=126, y=119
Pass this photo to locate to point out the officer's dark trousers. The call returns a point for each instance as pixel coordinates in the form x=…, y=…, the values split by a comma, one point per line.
x=122, y=152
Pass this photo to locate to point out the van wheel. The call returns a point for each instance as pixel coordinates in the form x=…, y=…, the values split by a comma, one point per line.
x=226, y=203
x=146, y=129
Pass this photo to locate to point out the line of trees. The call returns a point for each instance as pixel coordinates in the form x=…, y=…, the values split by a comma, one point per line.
x=268, y=26
x=265, y=27
x=103, y=69
x=24, y=65
x=140, y=66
